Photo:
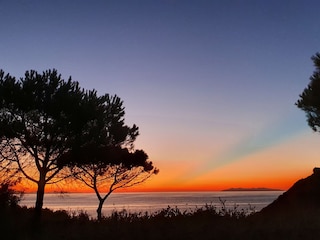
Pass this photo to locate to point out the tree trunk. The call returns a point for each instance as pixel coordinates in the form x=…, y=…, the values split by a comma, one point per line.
x=40, y=196
x=99, y=209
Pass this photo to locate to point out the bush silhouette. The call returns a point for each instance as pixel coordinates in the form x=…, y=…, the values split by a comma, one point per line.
x=8, y=197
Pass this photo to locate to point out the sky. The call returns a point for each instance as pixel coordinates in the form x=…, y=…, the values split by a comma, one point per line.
x=211, y=84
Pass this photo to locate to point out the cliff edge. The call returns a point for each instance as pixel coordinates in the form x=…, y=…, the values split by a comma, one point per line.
x=303, y=197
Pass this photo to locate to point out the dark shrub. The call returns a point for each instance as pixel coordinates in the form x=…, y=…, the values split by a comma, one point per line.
x=8, y=196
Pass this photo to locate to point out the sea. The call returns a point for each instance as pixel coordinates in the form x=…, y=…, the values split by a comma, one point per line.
x=152, y=202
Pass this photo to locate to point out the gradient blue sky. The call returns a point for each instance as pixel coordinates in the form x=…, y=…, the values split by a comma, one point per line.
x=211, y=84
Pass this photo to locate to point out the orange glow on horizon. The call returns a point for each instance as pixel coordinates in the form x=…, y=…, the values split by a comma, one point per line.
x=283, y=183
x=278, y=167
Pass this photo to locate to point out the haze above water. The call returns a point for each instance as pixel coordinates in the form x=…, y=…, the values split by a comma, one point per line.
x=152, y=202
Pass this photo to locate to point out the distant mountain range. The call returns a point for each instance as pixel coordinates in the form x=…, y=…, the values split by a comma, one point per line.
x=250, y=189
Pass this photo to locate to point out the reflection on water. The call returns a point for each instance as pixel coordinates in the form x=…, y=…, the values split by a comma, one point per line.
x=152, y=202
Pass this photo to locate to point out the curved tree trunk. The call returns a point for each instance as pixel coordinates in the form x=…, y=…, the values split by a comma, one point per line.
x=99, y=209
x=101, y=202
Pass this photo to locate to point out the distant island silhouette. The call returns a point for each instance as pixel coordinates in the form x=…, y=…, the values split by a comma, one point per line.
x=250, y=189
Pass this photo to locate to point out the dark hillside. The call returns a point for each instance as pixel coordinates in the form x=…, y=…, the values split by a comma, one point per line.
x=303, y=196
x=293, y=215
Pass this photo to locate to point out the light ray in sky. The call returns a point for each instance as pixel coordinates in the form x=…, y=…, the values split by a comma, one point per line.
x=272, y=135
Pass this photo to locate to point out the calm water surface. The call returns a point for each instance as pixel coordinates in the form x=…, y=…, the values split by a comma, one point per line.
x=152, y=202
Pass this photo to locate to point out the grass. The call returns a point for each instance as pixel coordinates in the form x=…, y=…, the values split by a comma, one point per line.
x=208, y=222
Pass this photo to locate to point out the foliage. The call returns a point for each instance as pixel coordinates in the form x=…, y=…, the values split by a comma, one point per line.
x=44, y=118
x=109, y=161
x=207, y=222
x=40, y=119
x=111, y=168
x=309, y=100
x=8, y=196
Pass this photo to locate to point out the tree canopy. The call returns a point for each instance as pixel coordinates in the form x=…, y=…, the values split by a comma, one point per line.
x=42, y=117
x=309, y=100
x=108, y=161
x=105, y=169
x=47, y=123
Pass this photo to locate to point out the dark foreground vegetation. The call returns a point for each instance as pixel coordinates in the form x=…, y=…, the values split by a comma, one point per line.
x=294, y=215
x=170, y=223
